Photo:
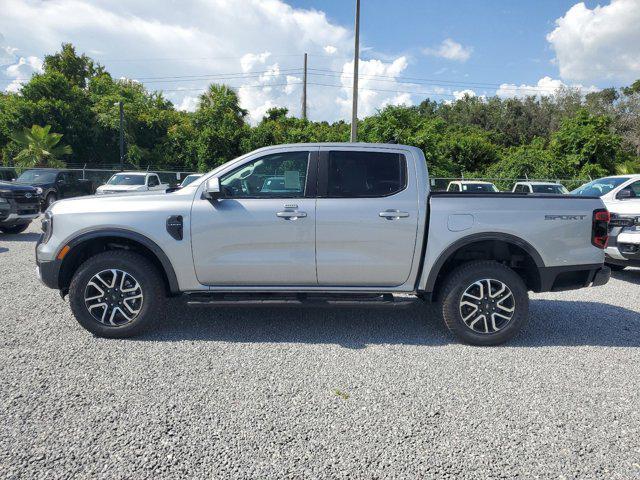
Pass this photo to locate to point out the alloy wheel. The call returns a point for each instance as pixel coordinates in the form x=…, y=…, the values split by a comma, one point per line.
x=487, y=306
x=113, y=297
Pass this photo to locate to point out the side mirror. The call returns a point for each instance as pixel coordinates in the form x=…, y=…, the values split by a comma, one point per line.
x=623, y=194
x=212, y=189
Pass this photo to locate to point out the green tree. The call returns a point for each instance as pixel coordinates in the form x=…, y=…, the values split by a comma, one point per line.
x=78, y=69
x=40, y=148
x=220, y=125
x=588, y=139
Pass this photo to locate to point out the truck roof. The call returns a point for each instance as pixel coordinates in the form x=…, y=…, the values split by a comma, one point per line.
x=363, y=145
x=526, y=182
x=473, y=182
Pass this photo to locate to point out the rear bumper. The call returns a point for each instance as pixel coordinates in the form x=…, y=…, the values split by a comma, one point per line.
x=558, y=279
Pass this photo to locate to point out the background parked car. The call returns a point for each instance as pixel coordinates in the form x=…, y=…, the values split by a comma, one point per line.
x=7, y=174
x=621, y=195
x=19, y=205
x=550, y=188
x=471, y=186
x=190, y=179
x=55, y=184
x=128, y=182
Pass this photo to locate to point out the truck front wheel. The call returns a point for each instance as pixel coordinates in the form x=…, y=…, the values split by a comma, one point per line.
x=116, y=294
x=484, y=303
x=14, y=229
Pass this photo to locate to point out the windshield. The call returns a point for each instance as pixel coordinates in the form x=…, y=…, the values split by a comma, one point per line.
x=35, y=176
x=126, y=179
x=479, y=187
x=556, y=189
x=189, y=179
x=599, y=187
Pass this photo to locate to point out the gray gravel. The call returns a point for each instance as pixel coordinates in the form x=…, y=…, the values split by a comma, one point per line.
x=240, y=393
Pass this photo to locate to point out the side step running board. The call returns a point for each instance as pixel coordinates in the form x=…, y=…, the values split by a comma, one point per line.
x=299, y=300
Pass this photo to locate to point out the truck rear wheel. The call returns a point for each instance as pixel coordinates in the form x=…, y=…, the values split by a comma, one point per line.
x=117, y=294
x=484, y=303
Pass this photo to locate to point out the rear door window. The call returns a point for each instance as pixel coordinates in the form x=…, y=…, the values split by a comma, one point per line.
x=365, y=174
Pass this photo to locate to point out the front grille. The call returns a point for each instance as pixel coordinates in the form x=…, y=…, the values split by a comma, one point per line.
x=35, y=198
x=25, y=196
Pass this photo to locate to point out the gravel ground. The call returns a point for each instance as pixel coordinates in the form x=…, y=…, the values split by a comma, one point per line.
x=240, y=393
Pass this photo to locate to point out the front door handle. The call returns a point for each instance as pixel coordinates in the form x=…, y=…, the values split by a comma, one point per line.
x=291, y=214
x=393, y=214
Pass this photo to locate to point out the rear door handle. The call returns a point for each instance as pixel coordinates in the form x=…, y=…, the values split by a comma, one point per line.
x=393, y=214
x=291, y=215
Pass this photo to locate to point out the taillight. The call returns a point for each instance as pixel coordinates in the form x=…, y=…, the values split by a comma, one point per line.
x=600, y=228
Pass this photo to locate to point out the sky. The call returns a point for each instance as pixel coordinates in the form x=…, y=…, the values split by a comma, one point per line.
x=410, y=50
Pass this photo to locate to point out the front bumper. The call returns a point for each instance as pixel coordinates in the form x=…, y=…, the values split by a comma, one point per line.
x=624, y=246
x=20, y=211
x=48, y=272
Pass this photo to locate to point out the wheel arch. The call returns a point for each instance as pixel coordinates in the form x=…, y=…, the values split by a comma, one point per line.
x=503, y=247
x=87, y=244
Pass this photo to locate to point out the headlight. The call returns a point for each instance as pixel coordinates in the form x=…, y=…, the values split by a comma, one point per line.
x=47, y=226
x=38, y=190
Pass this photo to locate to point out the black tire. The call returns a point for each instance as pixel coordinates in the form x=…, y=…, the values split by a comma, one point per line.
x=144, y=272
x=49, y=200
x=464, y=277
x=615, y=268
x=14, y=229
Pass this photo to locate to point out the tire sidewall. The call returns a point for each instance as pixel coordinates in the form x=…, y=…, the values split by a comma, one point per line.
x=50, y=199
x=466, y=275
x=142, y=270
x=14, y=229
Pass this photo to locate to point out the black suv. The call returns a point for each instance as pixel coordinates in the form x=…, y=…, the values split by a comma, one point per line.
x=56, y=184
x=19, y=204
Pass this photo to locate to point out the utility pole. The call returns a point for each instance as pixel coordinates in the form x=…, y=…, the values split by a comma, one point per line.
x=304, y=90
x=356, y=58
x=120, y=104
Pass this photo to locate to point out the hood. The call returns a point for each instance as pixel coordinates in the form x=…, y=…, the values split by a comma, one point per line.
x=33, y=184
x=121, y=188
x=16, y=187
x=113, y=203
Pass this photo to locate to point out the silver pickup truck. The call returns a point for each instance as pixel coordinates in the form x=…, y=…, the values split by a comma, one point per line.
x=321, y=224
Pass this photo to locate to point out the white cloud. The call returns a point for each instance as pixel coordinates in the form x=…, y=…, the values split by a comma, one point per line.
x=600, y=43
x=451, y=50
x=260, y=42
x=377, y=86
x=460, y=94
x=188, y=103
x=248, y=61
x=546, y=86
x=21, y=72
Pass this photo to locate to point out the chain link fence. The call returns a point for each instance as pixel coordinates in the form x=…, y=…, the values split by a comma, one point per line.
x=99, y=176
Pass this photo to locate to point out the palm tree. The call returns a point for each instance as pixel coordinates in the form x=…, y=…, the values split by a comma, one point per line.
x=40, y=148
x=629, y=167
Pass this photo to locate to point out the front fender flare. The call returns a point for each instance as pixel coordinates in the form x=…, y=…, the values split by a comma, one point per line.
x=167, y=267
